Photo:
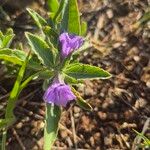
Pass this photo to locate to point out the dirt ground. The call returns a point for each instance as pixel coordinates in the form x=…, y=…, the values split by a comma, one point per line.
x=120, y=104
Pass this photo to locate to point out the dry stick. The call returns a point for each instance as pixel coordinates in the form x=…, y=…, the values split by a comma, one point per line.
x=125, y=79
x=119, y=139
x=18, y=139
x=68, y=139
x=5, y=96
x=135, y=109
x=67, y=130
x=27, y=96
x=138, y=139
x=30, y=113
x=61, y=148
x=129, y=95
x=73, y=130
x=36, y=103
x=122, y=137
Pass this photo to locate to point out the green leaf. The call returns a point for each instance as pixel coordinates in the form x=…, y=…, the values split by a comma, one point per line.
x=47, y=74
x=40, y=21
x=83, y=104
x=84, y=71
x=50, y=32
x=83, y=28
x=71, y=17
x=18, y=57
x=51, y=36
x=15, y=91
x=7, y=41
x=53, y=114
x=34, y=63
x=12, y=100
x=5, y=122
x=86, y=45
x=70, y=80
x=9, y=31
x=65, y=16
x=41, y=49
x=14, y=56
x=60, y=9
x=43, y=74
x=74, y=18
x=1, y=35
x=53, y=5
x=145, y=18
x=146, y=140
x=80, y=101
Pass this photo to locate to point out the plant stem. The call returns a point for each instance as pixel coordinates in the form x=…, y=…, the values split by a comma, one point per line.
x=4, y=136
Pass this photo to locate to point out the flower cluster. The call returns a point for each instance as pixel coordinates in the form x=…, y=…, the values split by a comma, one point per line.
x=58, y=92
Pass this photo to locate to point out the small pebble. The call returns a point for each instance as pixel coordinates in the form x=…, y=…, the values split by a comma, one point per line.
x=92, y=141
x=109, y=13
x=140, y=103
x=102, y=115
x=107, y=141
x=136, y=58
x=19, y=125
x=87, y=145
x=76, y=109
x=116, y=45
x=77, y=115
x=97, y=136
x=148, y=84
x=63, y=134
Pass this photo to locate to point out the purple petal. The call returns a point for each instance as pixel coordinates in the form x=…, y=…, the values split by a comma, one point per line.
x=59, y=94
x=69, y=43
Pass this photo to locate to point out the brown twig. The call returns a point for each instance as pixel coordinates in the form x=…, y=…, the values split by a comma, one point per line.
x=62, y=127
x=27, y=96
x=30, y=113
x=18, y=139
x=73, y=130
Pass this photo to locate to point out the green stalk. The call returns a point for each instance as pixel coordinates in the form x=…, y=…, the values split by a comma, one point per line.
x=12, y=101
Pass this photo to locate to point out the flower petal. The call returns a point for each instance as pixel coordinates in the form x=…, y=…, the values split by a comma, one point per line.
x=59, y=94
x=69, y=43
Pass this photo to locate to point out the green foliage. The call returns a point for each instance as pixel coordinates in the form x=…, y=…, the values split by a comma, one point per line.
x=84, y=71
x=59, y=11
x=145, y=18
x=13, y=55
x=53, y=5
x=5, y=40
x=146, y=141
x=5, y=122
x=41, y=49
x=15, y=91
x=71, y=17
x=45, y=62
x=81, y=102
x=40, y=21
x=83, y=28
x=9, y=115
x=83, y=48
x=53, y=114
x=70, y=80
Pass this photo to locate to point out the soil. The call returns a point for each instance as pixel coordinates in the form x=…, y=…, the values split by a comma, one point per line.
x=120, y=104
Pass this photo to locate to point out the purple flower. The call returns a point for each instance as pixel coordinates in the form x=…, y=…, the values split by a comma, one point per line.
x=69, y=43
x=59, y=94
